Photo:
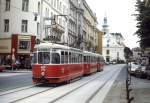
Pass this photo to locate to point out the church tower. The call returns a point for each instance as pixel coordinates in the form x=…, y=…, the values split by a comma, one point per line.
x=105, y=26
x=106, y=40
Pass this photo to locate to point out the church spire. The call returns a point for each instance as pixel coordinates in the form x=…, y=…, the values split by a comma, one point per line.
x=105, y=25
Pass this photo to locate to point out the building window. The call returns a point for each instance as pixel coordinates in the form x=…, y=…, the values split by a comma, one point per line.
x=107, y=51
x=24, y=45
x=25, y=5
x=7, y=8
x=24, y=26
x=6, y=25
x=107, y=45
x=57, y=4
x=52, y=2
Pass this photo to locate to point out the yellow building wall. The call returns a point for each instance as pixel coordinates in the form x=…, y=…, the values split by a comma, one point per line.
x=99, y=41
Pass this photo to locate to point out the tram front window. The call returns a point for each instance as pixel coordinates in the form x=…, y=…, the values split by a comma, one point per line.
x=44, y=57
x=55, y=58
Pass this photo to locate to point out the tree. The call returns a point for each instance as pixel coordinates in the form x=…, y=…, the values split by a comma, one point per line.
x=127, y=53
x=143, y=25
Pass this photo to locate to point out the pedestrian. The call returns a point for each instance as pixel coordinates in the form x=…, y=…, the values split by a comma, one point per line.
x=17, y=64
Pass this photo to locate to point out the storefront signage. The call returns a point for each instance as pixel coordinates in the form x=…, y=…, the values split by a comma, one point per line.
x=24, y=37
x=5, y=45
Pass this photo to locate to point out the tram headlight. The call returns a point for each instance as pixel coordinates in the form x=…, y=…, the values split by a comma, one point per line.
x=42, y=73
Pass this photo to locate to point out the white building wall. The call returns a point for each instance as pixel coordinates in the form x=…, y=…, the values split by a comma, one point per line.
x=51, y=8
x=15, y=16
x=110, y=42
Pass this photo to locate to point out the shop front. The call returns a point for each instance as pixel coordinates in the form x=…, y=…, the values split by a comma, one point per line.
x=16, y=50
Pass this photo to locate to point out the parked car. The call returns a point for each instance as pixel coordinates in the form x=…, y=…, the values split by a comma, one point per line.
x=133, y=68
x=106, y=63
x=2, y=68
x=147, y=72
x=141, y=71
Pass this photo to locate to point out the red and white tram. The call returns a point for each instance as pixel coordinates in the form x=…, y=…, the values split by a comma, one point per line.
x=54, y=63
x=100, y=62
x=90, y=63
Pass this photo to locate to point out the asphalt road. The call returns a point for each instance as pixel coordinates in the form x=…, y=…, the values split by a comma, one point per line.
x=15, y=81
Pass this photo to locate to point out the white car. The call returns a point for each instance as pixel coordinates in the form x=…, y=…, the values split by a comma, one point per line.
x=133, y=68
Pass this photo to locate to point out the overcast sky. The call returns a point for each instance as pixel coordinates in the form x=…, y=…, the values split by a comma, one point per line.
x=119, y=15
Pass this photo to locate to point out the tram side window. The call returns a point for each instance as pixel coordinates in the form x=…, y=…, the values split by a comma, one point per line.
x=76, y=58
x=62, y=57
x=89, y=59
x=70, y=61
x=55, y=58
x=98, y=59
x=73, y=58
x=80, y=58
x=34, y=58
x=85, y=58
x=66, y=57
x=40, y=58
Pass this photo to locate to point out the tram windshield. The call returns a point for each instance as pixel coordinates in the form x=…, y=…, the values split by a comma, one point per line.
x=43, y=57
x=55, y=58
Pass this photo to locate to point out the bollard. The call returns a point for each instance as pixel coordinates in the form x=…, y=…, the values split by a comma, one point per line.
x=128, y=83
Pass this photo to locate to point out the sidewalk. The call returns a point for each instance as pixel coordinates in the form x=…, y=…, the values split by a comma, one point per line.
x=140, y=92
x=117, y=93
x=18, y=71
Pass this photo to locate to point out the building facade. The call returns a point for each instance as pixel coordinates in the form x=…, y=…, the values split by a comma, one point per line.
x=26, y=22
x=52, y=20
x=17, y=32
x=99, y=42
x=90, y=33
x=113, y=45
x=75, y=24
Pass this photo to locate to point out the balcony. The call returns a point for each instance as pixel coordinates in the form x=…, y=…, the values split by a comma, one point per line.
x=58, y=28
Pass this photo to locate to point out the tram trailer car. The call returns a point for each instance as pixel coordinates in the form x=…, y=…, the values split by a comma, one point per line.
x=54, y=63
x=90, y=64
x=100, y=62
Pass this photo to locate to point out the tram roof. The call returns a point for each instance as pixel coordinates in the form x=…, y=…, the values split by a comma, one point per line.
x=51, y=45
x=55, y=46
x=91, y=53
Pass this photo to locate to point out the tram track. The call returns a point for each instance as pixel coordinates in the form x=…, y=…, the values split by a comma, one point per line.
x=67, y=93
x=29, y=96
x=101, y=87
x=20, y=100
x=22, y=91
x=18, y=90
x=88, y=100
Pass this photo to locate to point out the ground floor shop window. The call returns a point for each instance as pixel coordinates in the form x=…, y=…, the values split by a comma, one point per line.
x=24, y=45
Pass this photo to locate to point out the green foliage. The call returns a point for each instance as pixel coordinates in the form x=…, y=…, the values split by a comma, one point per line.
x=127, y=53
x=143, y=25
